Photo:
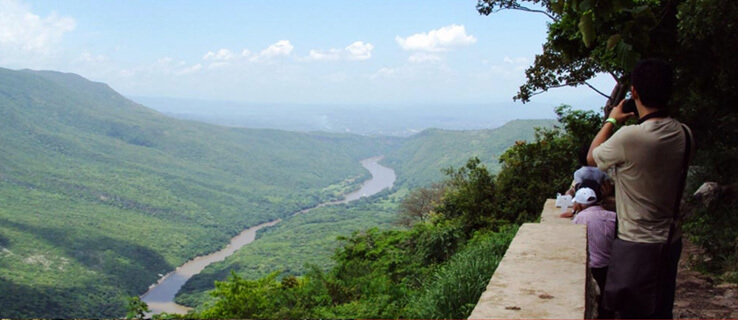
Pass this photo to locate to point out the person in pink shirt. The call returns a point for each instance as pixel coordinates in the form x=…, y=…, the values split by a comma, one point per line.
x=600, y=234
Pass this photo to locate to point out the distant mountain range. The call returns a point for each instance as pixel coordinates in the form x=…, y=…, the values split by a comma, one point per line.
x=394, y=120
x=99, y=194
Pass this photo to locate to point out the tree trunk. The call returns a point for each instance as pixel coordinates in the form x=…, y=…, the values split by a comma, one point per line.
x=618, y=93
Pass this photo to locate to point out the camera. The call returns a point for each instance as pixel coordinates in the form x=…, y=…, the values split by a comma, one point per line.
x=630, y=106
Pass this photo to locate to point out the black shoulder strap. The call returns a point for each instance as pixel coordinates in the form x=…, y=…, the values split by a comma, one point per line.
x=682, y=182
x=685, y=168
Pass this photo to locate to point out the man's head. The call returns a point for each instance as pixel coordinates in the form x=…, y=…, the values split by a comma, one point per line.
x=651, y=83
x=584, y=198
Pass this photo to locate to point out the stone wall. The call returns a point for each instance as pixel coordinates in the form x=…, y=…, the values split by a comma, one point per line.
x=543, y=274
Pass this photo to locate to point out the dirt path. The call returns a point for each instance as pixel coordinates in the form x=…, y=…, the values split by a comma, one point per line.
x=698, y=297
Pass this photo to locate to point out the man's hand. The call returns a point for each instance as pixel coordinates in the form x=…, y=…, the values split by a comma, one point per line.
x=618, y=115
x=607, y=129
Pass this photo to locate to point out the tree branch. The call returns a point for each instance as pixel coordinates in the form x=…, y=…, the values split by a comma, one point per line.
x=521, y=8
x=595, y=89
x=568, y=84
x=538, y=11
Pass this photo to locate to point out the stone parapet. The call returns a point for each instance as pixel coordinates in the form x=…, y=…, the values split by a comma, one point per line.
x=543, y=274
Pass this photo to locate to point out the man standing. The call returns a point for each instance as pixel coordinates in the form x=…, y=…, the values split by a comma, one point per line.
x=646, y=162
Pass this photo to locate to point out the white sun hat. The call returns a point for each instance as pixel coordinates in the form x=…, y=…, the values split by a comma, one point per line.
x=585, y=196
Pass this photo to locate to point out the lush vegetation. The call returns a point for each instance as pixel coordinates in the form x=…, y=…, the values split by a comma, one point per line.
x=419, y=161
x=435, y=269
x=100, y=195
x=697, y=37
x=436, y=266
x=306, y=239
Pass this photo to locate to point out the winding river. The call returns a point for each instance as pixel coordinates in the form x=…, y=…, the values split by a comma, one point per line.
x=160, y=296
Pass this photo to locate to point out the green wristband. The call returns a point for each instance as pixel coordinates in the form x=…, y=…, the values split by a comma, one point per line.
x=612, y=120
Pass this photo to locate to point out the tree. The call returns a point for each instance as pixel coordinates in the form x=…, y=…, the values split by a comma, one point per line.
x=137, y=309
x=420, y=204
x=698, y=38
x=470, y=197
x=587, y=37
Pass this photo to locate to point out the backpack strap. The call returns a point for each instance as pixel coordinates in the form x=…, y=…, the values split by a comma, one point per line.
x=682, y=182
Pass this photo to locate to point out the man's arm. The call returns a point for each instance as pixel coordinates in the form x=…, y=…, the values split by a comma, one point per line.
x=606, y=130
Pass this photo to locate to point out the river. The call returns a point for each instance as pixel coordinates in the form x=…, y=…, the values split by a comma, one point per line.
x=160, y=296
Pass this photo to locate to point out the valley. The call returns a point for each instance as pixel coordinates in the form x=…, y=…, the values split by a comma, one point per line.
x=99, y=194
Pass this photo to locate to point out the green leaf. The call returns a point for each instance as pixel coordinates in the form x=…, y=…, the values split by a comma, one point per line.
x=585, y=5
x=627, y=56
x=557, y=6
x=613, y=41
x=640, y=9
x=586, y=27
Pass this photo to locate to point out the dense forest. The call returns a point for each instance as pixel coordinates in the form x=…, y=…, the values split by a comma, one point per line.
x=419, y=161
x=100, y=195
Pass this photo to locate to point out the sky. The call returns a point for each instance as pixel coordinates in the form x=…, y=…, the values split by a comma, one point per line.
x=307, y=52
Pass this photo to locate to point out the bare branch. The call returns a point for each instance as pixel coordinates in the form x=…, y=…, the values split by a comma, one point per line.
x=568, y=84
x=521, y=8
x=595, y=89
x=538, y=11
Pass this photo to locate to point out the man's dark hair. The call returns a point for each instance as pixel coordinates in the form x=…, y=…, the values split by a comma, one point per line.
x=652, y=79
x=583, y=150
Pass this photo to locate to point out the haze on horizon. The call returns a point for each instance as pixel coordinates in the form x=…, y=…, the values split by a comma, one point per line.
x=380, y=53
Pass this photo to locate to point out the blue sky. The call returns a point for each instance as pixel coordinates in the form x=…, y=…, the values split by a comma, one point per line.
x=331, y=52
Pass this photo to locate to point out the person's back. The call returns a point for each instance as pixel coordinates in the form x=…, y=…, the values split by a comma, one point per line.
x=647, y=159
x=600, y=233
x=647, y=162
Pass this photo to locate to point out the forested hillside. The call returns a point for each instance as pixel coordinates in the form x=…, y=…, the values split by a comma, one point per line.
x=420, y=160
x=98, y=194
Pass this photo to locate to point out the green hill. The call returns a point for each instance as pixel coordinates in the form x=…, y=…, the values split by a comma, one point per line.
x=310, y=238
x=98, y=194
x=420, y=160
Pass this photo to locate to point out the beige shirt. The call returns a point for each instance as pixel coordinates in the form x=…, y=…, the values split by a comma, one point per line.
x=646, y=162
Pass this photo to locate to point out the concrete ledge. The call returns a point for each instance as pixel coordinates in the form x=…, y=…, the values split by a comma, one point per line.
x=542, y=275
x=551, y=213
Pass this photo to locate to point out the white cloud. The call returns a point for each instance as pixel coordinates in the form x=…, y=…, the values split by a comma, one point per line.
x=280, y=48
x=89, y=58
x=516, y=60
x=188, y=70
x=437, y=40
x=359, y=50
x=220, y=55
x=245, y=53
x=384, y=72
x=510, y=68
x=423, y=57
x=218, y=64
x=322, y=55
x=355, y=51
x=23, y=33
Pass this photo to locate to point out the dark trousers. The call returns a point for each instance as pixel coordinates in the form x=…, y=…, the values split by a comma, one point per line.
x=667, y=289
x=600, y=275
